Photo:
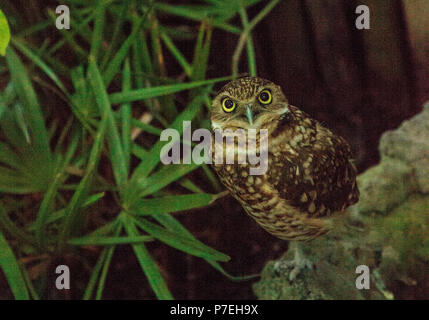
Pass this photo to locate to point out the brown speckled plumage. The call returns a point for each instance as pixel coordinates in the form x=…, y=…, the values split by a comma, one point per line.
x=310, y=177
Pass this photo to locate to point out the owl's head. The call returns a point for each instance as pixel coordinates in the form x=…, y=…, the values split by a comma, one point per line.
x=248, y=103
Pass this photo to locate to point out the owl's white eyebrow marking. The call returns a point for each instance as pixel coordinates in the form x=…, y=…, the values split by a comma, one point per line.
x=284, y=110
x=216, y=125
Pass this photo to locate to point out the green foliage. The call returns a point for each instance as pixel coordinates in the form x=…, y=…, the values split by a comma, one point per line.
x=118, y=96
x=4, y=33
x=12, y=271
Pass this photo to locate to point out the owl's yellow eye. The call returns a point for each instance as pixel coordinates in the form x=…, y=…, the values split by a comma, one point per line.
x=265, y=97
x=228, y=105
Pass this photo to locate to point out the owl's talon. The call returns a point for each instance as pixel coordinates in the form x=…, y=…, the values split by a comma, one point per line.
x=298, y=264
x=299, y=267
x=282, y=266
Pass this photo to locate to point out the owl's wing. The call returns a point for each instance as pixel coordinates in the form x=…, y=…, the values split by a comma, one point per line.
x=320, y=178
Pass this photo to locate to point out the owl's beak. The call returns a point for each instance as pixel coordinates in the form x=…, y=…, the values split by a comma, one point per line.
x=249, y=115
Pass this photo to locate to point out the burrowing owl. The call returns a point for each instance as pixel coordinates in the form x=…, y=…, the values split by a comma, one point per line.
x=310, y=177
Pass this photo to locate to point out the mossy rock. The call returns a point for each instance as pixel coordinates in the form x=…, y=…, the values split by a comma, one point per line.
x=404, y=236
x=394, y=247
x=333, y=276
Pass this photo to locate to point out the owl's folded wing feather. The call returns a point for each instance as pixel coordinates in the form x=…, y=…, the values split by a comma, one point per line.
x=320, y=179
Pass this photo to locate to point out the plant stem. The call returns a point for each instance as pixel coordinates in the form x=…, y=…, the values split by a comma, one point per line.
x=245, y=34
